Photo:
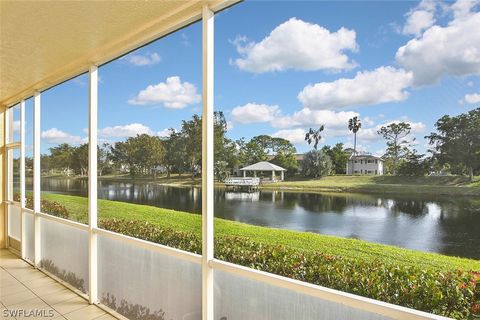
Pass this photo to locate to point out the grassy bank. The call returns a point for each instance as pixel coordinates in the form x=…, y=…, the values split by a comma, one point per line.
x=174, y=179
x=349, y=248
x=442, y=186
x=447, y=185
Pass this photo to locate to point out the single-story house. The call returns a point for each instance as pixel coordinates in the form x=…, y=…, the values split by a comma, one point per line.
x=365, y=164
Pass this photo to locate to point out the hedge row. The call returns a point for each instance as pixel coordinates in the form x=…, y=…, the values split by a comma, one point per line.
x=453, y=294
x=51, y=207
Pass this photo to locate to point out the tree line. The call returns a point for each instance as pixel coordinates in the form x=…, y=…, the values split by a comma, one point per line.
x=454, y=148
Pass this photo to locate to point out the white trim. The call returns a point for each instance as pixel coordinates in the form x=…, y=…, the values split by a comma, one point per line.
x=36, y=177
x=13, y=145
x=340, y=297
x=67, y=222
x=92, y=184
x=11, y=202
x=169, y=251
x=207, y=162
x=28, y=211
x=22, y=178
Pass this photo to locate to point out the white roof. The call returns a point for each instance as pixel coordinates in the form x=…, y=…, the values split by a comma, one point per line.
x=263, y=166
x=364, y=156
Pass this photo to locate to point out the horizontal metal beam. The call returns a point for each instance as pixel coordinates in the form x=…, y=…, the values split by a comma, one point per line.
x=169, y=251
x=69, y=223
x=323, y=293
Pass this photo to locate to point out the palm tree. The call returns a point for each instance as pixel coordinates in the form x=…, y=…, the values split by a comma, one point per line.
x=354, y=125
x=314, y=136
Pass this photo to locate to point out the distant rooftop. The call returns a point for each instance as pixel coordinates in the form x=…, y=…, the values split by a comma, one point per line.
x=263, y=166
x=365, y=156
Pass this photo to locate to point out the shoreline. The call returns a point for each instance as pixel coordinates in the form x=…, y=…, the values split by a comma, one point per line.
x=387, y=185
x=308, y=241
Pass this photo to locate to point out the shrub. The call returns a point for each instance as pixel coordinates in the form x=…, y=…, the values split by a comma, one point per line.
x=454, y=294
x=316, y=163
x=51, y=207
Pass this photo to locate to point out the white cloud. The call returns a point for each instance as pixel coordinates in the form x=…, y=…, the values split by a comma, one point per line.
x=384, y=84
x=370, y=134
x=472, y=98
x=185, y=41
x=335, y=122
x=255, y=113
x=300, y=45
x=124, y=131
x=147, y=59
x=367, y=121
x=440, y=51
x=173, y=94
x=295, y=136
x=420, y=18
x=56, y=136
x=463, y=8
x=164, y=133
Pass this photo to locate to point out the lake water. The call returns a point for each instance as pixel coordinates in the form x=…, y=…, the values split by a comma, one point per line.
x=445, y=225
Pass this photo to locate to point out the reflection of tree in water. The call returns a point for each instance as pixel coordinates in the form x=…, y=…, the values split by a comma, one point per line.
x=322, y=202
x=178, y=198
x=414, y=207
x=457, y=220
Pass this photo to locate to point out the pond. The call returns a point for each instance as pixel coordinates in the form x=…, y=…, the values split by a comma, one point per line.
x=444, y=225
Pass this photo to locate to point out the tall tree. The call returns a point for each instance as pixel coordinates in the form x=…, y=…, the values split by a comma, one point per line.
x=354, y=125
x=398, y=141
x=104, y=158
x=80, y=159
x=338, y=156
x=284, y=152
x=61, y=157
x=192, y=142
x=414, y=164
x=457, y=141
x=139, y=155
x=314, y=136
x=257, y=149
x=316, y=163
x=225, y=149
x=174, y=159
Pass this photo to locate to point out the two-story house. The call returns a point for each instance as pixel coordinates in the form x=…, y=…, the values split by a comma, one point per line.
x=365, y=164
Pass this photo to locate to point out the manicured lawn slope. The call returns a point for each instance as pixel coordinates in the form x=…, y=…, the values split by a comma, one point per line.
x=447, y=185
x=348, y=248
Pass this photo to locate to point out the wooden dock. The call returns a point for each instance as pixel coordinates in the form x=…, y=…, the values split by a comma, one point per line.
x=243, y=184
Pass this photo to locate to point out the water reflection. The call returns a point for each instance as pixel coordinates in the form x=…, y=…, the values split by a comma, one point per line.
x=444, y=225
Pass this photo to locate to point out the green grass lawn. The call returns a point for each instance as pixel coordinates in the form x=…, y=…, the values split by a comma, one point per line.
x=182, y=221
x=446, y=185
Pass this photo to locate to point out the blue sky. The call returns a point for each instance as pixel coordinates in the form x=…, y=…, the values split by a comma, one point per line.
x=283, y=67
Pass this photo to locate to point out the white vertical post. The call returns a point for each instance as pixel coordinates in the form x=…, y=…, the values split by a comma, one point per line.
x=9, y=137
x=92, y=182
x=22, y=176
x=10, y=174
x=207, y=162
x=36, y=176
x=7, y=172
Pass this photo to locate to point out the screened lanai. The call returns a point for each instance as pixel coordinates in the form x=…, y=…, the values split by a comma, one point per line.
x=44, y=44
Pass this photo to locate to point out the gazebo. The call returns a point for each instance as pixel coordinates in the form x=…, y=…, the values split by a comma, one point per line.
x=264, y=166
